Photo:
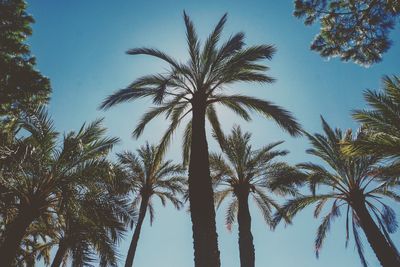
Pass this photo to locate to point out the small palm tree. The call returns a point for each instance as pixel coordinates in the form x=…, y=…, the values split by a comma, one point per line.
x=382, y=124
x=34, y=171
x=37, y=243
x=195, y=88
x=92, y=220
x=243, y=172
x=351, y=184
x=150, y=176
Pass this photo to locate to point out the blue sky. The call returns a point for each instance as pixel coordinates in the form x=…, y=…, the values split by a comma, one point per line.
x=80, y=46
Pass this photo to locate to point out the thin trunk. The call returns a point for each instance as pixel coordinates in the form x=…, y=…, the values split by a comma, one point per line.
x=386, y=254
x=58, y=258
x=246, y=246
x=136, y=234
x=13, y=236
x=206, y=253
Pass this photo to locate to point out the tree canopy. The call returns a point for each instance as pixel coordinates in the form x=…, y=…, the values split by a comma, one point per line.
x=22, y=86
x=352, y=30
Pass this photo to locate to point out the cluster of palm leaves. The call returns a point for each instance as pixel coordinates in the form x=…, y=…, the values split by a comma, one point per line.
x=59, y=194
x=66, y=195
x=350, y=183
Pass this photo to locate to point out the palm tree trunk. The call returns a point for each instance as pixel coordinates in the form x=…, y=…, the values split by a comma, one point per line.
x=386, y=254
x=246, y=246
x=14, y=233
x=206, y=253
x=136, y=234
x=58, y=258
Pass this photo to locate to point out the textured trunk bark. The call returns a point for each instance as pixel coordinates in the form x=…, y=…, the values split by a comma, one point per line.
x=13, y=236
x=206, y=253
x=136, y=234
x=246, y=246
x=58, y=258
x=386, y=254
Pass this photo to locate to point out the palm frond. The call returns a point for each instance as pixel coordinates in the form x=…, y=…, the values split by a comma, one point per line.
x=266, y=108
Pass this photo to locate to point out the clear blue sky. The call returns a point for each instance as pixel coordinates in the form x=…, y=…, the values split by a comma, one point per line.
x=80, y=46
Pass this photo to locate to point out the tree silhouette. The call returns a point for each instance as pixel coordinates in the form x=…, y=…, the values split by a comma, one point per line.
x=195, y=88
x=243, y=172
x=351, y=185
x=150, y=176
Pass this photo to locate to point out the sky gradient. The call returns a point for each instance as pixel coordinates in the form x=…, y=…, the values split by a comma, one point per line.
x=80, y=46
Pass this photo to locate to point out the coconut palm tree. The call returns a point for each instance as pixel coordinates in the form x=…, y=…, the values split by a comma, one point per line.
x=34, y=171
x=242, y=172
x=193, y=89
x=382, y=124
x=351, y=184
x=92, y=221
x=150, y=176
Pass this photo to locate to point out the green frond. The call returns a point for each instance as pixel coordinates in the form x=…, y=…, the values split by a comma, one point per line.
x=187, y=142
x=155, y=53
x=151, y=114
x=266, y=205
x=150, y=209
x=125, y=95
x=166, y=138
x=230, y=47
x=283, y=117
x=293, y=206
x=283, y=179
x=209, y=52
x=325, y=227
x=319, y=207
x=359, y=245
x=220, y=169
x=231, y=212
x=193, y=44
x=215, y=124
x=236, y=108
x=220, y=196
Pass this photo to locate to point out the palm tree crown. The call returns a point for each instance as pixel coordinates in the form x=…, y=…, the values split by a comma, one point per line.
x=382, y=124
x=35, y=174
x=93, y=221
x=243, y=172
x=203, y=79
x=254, y=171
x=349, y=183
x=150, y=176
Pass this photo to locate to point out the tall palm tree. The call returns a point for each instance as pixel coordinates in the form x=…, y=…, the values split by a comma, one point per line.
x=195, y=88
x=243, y=172
x=351, y=183
x=382, y=124
x=92, y=221
x=34, y=171
x=150, y=177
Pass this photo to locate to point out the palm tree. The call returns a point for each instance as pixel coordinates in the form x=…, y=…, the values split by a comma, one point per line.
x=351, y=184
x=150, y=176
x=243, y=172
x=92, y=221
x=37, y=244
x=34, y=171
x=382, y=124
x=195, y=88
